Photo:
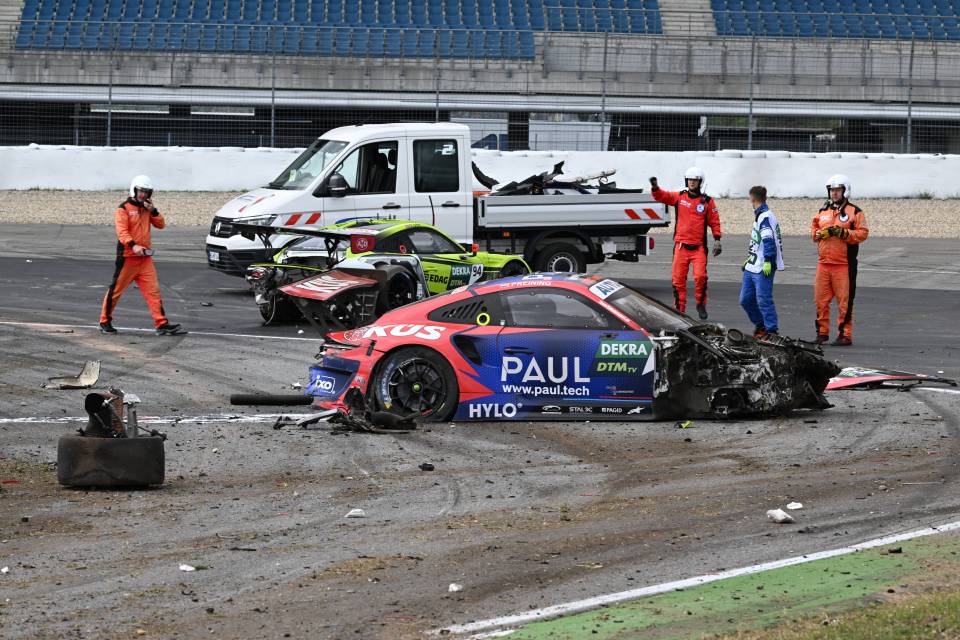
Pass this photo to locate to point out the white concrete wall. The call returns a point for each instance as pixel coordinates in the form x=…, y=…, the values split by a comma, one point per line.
x=729, y=173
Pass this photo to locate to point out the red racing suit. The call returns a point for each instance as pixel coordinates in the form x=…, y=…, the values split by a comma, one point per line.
x=837, y=264
x=694, y=215
x=133, y=222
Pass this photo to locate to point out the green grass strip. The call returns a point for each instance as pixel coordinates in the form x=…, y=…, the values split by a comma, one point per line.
x=757, y=600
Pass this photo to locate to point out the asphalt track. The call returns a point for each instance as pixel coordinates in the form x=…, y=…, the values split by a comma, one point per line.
x=523, y=516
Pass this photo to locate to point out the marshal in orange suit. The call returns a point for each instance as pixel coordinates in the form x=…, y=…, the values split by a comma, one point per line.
x=133, y=219
x=837, y=229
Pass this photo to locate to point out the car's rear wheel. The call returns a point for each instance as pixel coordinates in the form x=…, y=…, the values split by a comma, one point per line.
x=514, y=268
x=560, y=257
x=415, y=381
x=278, y=308
x=401, y=290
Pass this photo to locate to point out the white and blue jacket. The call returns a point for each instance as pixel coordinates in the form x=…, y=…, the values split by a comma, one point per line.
x=765, y=241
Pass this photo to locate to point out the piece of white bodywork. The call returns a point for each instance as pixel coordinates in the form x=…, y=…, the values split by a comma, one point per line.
x=356, y=513
x=795, y=505
x=87, y=377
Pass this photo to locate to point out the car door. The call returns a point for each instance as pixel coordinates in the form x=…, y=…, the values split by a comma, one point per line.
x=561, y=354
x=373, y=172
x=437, y=193
x=445, y=265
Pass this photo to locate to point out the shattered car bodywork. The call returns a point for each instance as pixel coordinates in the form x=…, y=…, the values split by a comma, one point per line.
x=561, y=346
x=865, y=378
x=736, y=376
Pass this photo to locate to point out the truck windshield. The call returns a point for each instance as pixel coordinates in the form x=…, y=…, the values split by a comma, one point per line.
x=308, y=165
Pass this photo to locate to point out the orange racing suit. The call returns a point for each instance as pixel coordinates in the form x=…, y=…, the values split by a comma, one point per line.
x=694, y=215
x=837, y=264
x=133, y=222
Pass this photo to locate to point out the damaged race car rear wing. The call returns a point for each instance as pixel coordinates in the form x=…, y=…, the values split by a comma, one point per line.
x=361, y=240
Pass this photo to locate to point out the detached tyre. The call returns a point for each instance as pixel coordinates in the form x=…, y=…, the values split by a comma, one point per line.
x=560, y=257
x=110, y=462
x=417, y=382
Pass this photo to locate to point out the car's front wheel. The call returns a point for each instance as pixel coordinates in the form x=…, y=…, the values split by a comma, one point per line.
x=418, y=382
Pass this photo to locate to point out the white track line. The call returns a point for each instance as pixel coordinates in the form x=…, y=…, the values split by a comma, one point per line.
x=45, y=325
x=938, y=390
x=633, y=594
x=226, y=417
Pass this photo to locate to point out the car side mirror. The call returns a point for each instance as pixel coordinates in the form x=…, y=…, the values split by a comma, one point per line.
x=334, y=186
x=337, y=185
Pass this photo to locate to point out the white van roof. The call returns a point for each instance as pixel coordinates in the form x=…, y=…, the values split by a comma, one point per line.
x=360, y=132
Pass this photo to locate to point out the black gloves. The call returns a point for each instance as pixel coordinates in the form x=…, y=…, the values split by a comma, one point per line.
x=653, y=183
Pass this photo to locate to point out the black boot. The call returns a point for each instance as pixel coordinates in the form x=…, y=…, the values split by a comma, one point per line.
x=170, y=330
x=702, y=311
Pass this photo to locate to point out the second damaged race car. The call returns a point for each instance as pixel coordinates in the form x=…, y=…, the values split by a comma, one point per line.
x=347, y=274
x=561, y=346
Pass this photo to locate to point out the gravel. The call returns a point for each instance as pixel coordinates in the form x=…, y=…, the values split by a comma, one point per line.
x=887, y=217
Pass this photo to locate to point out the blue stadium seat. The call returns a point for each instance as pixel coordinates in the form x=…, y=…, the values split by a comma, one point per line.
x=461, y=44
x=392, y=43
x=444, y=43
x=527, y=49
x=410, y=46
x=325, y=37
x=376, y=42
x=361, y=42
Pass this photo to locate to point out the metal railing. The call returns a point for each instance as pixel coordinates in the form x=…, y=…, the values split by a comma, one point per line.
x=582, y=90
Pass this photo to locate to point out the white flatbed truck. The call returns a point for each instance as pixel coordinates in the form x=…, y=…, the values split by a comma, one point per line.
x=424, y=172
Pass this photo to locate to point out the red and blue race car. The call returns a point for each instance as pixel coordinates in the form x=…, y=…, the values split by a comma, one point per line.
x=560, y=346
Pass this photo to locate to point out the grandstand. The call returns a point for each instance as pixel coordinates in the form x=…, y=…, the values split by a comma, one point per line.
x=904, y=19
x=804, y=75
x=392, y=28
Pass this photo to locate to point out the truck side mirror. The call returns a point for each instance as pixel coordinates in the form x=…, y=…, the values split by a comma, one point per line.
x=337, y=185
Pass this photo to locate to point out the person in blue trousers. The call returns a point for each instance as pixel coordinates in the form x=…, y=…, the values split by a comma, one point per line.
x=765, y=259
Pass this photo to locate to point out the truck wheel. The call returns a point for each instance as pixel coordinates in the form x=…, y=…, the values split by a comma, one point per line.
x=560, y=257
x=278, y=308
x=110, y=462
x=514, y=268
x=416, y=381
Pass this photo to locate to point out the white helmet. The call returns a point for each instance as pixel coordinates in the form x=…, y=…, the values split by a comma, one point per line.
x=694, y=173
x=140, y=182
x=839, y=180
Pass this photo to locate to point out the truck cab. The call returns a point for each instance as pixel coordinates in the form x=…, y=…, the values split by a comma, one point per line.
x=406, y=171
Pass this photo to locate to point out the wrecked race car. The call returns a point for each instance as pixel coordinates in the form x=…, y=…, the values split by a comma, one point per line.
x=561, y=346
x=346, y=275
